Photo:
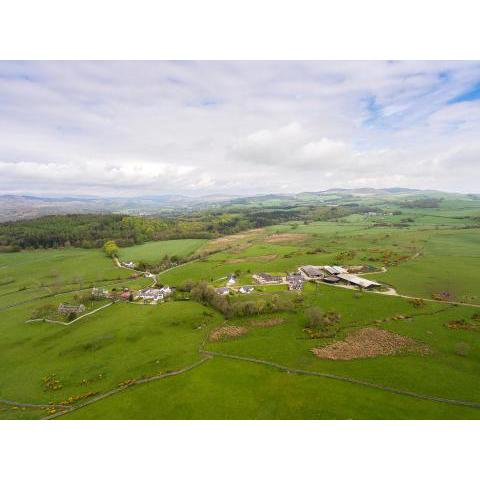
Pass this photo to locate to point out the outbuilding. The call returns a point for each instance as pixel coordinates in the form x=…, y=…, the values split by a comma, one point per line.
x=222, y=291
x=245, y=289
x=357, y=281
x=334, y=270
x=267, y=278
x=311, y=271
x=331, y=279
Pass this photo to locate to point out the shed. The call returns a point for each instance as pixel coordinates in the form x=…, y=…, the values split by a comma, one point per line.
x=358, y=281
x=331, y=279
x=335, y=269
x=312, y=271
x=245, y=289
x=222, y=291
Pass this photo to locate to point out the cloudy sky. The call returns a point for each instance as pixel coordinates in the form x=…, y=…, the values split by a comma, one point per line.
x=194, y=128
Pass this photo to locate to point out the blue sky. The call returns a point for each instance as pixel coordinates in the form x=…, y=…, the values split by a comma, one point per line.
x=130, y=128
x=470, y=95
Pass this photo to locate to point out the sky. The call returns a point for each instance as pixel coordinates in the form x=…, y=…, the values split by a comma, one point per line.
x=239, y=128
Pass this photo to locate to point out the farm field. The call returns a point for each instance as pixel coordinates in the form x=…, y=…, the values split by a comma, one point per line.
x=155, y=251
x=404, y=358
x=37, y=273
x=260, y=393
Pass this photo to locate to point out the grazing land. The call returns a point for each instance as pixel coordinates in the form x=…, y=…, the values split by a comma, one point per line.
x=154, y=251
x=405, y=346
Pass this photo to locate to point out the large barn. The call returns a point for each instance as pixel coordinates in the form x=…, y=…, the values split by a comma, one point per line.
x=312, y=271
x=357, y=281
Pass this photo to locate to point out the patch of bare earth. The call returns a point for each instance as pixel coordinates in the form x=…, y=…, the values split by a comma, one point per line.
x=271, y=322
x=259, y=258
x=369, y=342
x=238, y=242
x=229, y=331
x=286, y=238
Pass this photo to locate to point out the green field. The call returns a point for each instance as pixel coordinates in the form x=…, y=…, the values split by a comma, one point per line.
x=155, y=251
x=40, y=273
x=437, y=252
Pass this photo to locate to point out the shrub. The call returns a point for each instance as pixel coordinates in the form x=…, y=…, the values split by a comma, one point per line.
x=110, y=248
x=316, y=319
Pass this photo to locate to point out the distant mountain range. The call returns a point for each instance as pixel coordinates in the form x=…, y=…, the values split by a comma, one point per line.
x=15, y=207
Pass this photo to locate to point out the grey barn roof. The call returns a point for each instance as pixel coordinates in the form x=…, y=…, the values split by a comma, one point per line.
x=356, y=280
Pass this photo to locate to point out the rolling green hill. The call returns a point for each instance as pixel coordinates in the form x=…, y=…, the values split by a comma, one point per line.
x=164, y=361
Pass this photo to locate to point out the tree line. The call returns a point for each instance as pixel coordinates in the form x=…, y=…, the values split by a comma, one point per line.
x=93, y=230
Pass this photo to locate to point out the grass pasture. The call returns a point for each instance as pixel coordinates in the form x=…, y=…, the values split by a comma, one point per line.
x=154, y=251
x=434, y=253
x=37, y=273
x=120, y=342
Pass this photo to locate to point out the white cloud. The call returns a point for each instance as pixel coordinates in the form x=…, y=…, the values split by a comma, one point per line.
x=239, y=127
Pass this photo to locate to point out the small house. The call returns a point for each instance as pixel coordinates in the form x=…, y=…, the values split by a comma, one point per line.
x=125, y=295
x=128, y=264
x=245, y=289
x=153, y=294
x=165, y=290
x=232, y=280
x=99, y=292
x=222, y=291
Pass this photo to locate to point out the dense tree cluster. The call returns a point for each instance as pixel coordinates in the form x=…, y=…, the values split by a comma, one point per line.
x=205, y=294
x=93, y=230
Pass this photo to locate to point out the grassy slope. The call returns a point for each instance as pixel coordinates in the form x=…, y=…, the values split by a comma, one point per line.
x=155, y=251
x=228, y=389
x=120, y=342
x=33, y=274
x=287, y=344
x=126, y=341
x=450, y=261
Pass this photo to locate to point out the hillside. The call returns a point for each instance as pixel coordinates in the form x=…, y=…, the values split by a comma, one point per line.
x=408, y=348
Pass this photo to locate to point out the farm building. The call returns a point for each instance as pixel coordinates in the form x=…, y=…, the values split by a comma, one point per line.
x=267, y=278
x=232, y=280
x=66, y=309
x=125, y=295
x=296, y=285
x=291, y=277
x=357, y=281
x=311, y=271
x=99, y=292
x=154, y=294
x=128, y=264
x=294, y=281
x=331, y=279
x=245, y=289
x=334, y=270
x=222, y=291
x=165, y=290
